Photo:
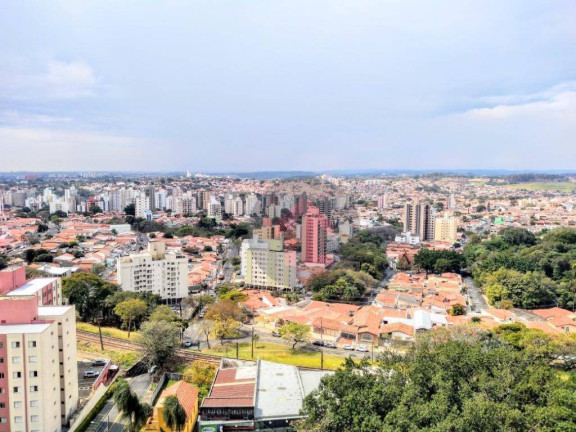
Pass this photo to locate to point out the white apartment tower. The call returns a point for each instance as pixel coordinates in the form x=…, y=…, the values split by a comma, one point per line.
x=156, y=271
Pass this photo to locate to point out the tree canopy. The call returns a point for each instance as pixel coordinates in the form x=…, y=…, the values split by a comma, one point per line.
x=461, y=382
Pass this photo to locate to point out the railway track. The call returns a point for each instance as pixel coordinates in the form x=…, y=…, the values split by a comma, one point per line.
x=110, y=341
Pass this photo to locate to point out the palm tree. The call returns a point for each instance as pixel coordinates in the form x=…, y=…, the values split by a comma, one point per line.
x=173, y=413
x=134, y=412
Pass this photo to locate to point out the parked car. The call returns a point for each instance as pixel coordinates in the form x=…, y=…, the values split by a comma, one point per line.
x=91, y=374
x=187, y=343
x=318, y=343
x=275, y=334
x=329, y=345
x=99, y=362
x=349, y=347
x=361, y=348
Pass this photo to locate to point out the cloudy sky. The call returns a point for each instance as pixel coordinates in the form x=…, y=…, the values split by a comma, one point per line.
x=253, y=85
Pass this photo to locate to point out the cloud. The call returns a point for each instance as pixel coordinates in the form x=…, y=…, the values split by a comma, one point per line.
x=63, y=150
x=25, y=79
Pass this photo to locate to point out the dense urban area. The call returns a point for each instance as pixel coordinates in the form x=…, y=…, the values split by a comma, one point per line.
x=313, y=303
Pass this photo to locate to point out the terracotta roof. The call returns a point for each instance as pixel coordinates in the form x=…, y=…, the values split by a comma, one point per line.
x=187, y=395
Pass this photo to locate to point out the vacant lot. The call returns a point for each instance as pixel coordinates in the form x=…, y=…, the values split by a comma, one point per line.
x=544, y=186
x=277, y=353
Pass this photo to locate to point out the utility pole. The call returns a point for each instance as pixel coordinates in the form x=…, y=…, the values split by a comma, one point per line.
x=372, y=349
x=321, y=359
x=100, y=332
x=236, y=350
x=252, y=353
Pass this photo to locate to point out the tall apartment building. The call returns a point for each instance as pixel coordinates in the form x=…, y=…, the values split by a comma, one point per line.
x=229, y=203
x=313, y=234
x=151, y=194
x=38, y=370
x=445, y=228
x=419, y=220
x=156, y=271
x=214, y=208
x=141, y=205
x=382, y=202
x=265, y=264
x=238, y=206
x=253, y=205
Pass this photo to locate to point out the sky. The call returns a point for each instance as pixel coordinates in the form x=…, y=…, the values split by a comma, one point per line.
x=265, y=85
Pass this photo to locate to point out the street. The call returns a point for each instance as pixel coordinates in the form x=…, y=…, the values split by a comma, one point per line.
x=108, y=420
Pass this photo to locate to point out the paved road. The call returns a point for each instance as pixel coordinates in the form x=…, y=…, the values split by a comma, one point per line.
x=109, y=419
x=475, y=297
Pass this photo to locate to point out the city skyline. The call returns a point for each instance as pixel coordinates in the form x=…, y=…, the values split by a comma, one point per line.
x=294, y=85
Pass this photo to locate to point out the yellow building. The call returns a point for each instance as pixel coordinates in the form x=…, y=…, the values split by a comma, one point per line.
x=445, y=228
x=187, y=396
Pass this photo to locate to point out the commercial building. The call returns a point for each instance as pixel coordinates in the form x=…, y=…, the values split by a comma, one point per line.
x=265, y=264
x=261, y=396
x=38, y=371
x=445, y=228
x=156, y=271
x=313, y=234
x=418, y=219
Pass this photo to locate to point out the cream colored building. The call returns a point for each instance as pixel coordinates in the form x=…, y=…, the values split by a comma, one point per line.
x=156, y=271
x=265, y=264
x=38, y=371
x=445, y=228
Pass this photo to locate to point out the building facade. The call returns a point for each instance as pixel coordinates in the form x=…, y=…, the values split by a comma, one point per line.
x=156, y=271
x=265, y=264
x=38, y=370
x=313, y=236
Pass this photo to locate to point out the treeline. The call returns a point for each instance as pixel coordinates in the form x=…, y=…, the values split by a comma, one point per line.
x=518, y=269
x=535, y=177
x=362, y=263
x=462, y=379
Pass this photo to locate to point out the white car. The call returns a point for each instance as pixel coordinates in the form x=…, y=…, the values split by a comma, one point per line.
x=349, y=347
x=361, y=348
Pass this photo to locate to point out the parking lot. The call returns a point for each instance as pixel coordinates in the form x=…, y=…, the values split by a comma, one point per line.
x=85, y=384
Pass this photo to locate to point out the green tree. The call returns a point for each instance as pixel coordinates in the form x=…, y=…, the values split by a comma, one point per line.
x=88, y=293
x=450, y=380
x=128, y=403
x=130, y=311
x=130, y=209
x=159, y=340
x=294, y=333
x=174, y=414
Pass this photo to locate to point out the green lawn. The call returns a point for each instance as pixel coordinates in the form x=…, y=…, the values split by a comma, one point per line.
x=544, y=186
x=121, y=358
x=107, y=331
x=276, y=353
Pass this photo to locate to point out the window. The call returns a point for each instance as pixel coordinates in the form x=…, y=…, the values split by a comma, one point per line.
x=18, y=419
x=16, y=374
x=1, y=359
x=32, y=359
x=34, y=403
x=31, y=344
x=3, y=420
x=34, y=418
x=16, y=390
x=15, y=359
x=2, y=405
x=18, y=404
x=34, y=388
x=1, y=375
x=15, y=344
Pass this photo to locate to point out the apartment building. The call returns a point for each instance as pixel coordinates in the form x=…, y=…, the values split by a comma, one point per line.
x=156, y=271
x=38, y=371
x=445, y=228
x=313, y=233
x=265, y=264
x=418, y=219
x=141, y=205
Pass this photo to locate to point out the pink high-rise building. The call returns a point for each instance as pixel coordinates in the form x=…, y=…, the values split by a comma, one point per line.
x=314, y=225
